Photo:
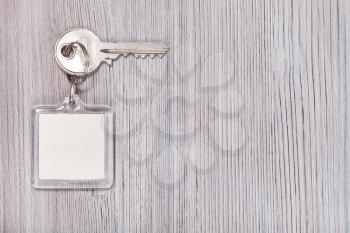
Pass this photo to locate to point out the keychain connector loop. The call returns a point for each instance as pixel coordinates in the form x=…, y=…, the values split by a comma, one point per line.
x=76, y=80
x=73, y=92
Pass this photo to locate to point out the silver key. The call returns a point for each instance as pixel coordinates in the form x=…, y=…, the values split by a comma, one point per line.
x=74, y=63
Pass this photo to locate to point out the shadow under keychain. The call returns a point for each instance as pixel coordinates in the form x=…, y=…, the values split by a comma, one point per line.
x=72, y=142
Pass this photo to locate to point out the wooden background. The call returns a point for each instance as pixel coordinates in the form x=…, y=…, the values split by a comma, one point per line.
x=242, y=127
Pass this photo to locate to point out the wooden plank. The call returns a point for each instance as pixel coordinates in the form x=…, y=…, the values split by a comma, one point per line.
x=345, y=71
x=242, y=127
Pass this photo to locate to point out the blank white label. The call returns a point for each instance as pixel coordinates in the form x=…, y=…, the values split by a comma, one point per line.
x=71, y=146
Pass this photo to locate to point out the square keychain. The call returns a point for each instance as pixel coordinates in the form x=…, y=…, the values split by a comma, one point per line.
x=72, y=142
x=72, y=145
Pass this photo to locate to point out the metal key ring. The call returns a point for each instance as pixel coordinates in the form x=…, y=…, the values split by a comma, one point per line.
x=76, y=80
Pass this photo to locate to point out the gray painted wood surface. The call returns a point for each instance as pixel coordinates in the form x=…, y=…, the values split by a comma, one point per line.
x=242, y=127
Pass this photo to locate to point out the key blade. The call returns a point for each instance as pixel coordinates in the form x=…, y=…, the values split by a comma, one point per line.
x=136, y=48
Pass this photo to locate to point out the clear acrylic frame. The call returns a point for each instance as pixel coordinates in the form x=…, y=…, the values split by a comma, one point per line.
x=80, y=109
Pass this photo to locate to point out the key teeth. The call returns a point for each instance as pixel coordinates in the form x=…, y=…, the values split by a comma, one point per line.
x=143, y=56
x=138, y=55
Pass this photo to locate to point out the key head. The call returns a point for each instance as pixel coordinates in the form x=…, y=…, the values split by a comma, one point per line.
x=74, y=63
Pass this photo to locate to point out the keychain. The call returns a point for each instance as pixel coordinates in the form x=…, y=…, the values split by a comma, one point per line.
x=72, y=142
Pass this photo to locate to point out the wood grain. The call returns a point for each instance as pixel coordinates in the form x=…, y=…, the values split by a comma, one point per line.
x=242, y=127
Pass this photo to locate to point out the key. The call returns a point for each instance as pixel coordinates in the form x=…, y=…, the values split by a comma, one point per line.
x=73, y=62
